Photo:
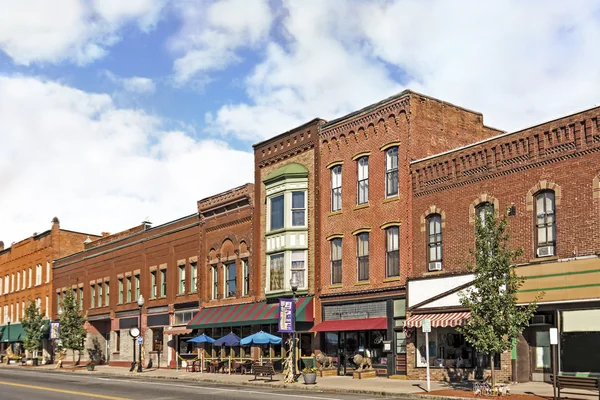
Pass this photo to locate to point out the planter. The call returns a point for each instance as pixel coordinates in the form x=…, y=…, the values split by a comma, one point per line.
x=310, y=379
x=91, y=366
x=35, y=362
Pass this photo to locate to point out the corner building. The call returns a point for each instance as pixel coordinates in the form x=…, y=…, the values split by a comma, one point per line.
x=365, y=220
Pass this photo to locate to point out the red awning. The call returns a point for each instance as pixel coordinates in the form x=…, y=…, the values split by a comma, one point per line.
x=181, y=330
x=440, y=320
x=351, y=325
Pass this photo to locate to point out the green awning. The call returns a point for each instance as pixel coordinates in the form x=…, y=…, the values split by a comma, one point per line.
x=17, y=334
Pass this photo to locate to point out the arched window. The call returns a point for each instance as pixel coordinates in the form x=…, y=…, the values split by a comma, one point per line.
x=483, y=210
x=545, y=224
x=392, y=256
x=434, y=241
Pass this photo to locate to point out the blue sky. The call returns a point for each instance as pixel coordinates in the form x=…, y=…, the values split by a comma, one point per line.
x=113, y=111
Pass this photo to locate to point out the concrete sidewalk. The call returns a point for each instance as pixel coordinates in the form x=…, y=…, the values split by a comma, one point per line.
x=340, y=384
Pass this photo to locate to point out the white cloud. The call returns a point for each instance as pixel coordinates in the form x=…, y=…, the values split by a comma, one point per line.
x=134, y=84
x=76, y=30
x=212, y=32
x=519, y=63
x=76, y=155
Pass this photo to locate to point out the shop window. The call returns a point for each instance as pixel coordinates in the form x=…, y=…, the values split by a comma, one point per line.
x=362, y=245
x=434, y=241
x=392, y=259
x=276, y=271
x=157, y=339
x=181, y=270
x=118, y=341
x=391, y=172
x=545, y=224
x=336, y=261
x=230, y=279
x=363, y=180
x=580, y=341
x=194, y=271
x=299, y=266
x=336, y=188
x=246, y=271
x=298, y=208
x=163, y=282
x=183, y=317
x=215, y=282
x=277, y=212
x=153, y=284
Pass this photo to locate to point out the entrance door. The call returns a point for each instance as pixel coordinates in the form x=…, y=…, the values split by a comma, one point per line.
x=400, y=364
x=523, y=360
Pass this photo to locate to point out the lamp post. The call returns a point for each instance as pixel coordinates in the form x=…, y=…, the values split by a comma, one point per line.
x=140, y=305
x=59, y=312
x=8, y=337
x=294, y=285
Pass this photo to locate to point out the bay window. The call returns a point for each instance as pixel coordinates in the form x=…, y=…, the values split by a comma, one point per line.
x=276, y=271
x=277, y=212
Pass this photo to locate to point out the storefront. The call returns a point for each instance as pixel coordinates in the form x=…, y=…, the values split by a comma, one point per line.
x=580, y=342
x=15, y=338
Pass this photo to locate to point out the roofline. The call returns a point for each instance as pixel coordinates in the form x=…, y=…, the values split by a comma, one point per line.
x=502, y=135
x=80, y=233
x=277, y=137
x=225, y=192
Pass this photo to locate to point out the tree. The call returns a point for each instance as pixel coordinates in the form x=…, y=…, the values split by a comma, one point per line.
x=496, y=318
x=33, y=325
x=72, y=332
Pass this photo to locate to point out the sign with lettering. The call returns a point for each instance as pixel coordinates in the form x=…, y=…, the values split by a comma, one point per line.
x=140, y=340
x=287, y=315
x=426, y=324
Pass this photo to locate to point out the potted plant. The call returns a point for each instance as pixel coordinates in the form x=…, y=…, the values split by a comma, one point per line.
x=310, y=375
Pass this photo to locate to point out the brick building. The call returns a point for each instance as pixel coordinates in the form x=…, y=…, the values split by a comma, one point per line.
x=365, y=218
x=108, y=276
x=26, y=275
x=545, y=181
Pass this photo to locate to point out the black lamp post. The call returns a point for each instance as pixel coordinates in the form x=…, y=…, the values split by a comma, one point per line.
x=8, y=337
x=140, y=305
x=294, y=285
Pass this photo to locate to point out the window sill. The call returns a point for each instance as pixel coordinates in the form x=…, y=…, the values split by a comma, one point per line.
x=116, y=352
x=391, y=199
x=432, y=273
x=538, y=260
x=360, y=283
x=359, y=206
x=392, y=279
x=336, y=286
x=338, y=212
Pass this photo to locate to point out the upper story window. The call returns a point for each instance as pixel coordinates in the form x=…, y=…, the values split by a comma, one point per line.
x=137, y=287
x=483, y=210
x=336, y=188
x=19, y=280
x=545, y=224
x=99, y=294
x=362, y=255
x=129, y=289
x=92, y=296
x=106, y=293
x=298, y=208
x=215, y=282
x=391, y=172
x=434, y=241
x=299, y=266
x=336, y=261
x=230, y=281
x=29, y=283
x=392, y=254
x=194, y=270
x=181, y=289
x=246, y=272
x=163, y=282
x=153, y=285
x=120, y=290
x=277, y=214
x=276, y=271
x=38, y=274
x=362, y=196
x=80, y=298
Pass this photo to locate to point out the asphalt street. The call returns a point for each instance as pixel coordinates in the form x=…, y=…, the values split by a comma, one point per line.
x=17, y=384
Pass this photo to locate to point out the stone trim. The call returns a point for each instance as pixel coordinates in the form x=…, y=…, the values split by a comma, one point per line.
x=193, y=259
x=153, y=268
x=388, y=145
x=542, y=185
x=360, y=155
x=432, y=210
x=483, y=198
x=128, y=274
x=120, y=276
x=391, y=223
x=162, y=266
x=334, y=164
x=596, y=187
x=106, y=279
x=334, y=236
x=180, y=262
x=360, y=230
x=137, y=272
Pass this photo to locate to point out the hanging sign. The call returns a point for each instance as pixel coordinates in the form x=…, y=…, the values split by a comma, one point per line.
x=287, y=315
x=54, y=328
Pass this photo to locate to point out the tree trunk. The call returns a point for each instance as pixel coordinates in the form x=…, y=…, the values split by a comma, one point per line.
x=493, y=370
x=73, y=357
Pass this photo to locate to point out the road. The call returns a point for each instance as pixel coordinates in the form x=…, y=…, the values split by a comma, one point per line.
x=17, y=384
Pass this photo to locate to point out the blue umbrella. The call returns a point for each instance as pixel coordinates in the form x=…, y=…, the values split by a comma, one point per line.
x=231, y=339
x=201, y=339
x=260, y=338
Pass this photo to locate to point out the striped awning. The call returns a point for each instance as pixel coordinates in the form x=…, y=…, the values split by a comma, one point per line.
x=439, y=320
x=178, y=330
x=249, y=314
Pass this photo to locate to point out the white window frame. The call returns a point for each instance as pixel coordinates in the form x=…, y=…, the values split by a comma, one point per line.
x=215, y=282
x=181, y=280
x=389, y=170
x=228, y=278
x=336, y=188
x=362, y=180
x=48, y=268
x=300, y=272
x=194, y=276
x=292, y=209
x=246, y=276
x=30, y=277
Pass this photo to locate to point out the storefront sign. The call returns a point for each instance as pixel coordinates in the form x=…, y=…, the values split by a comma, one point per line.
x=54, y=328
x=286, y=315
x=426, y=324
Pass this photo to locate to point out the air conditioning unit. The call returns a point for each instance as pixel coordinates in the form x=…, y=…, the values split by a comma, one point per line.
x=435, y=266
x=538, y=320
x=545, y=251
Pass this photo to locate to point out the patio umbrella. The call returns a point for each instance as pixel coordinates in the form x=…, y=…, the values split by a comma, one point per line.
x=201, y=339
x=260, y=338
x=231, y=340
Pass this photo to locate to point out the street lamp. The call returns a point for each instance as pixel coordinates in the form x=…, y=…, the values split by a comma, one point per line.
x=294, y=283
x=140, y=305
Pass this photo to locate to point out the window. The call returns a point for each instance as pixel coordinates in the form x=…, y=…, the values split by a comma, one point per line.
x=120, y=290
x=246, y=272
x=24, y=279
x=434, y=235
x=57, y=301
x=6, y=283
x=118, y=341
x=230, y=285
x=106, y=293
x=392, y=256
x=12, y=283
x=38, y=274
x=30, y=277
x=336, y=188
x=92, y=296
x=47, y=272
x=276, y=272
x=215, y=281
x=153, y=283
x=181, y=279
x=194, y=270
x=184, y=317
x=100, y=294
x=362, y=246
x=46, y=309
x=157, y=339
x=298, y=209
x=362, y=196
x=277, y=212
x=545, y=223
x=163, y=282
x=336, y=261
x=482, y=211
x=137, y=287
x=299, y=266
x=18, y=280
x=391, y=172
x=129, y=289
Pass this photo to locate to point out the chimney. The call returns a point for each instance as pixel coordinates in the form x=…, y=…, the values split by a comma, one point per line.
x=105, y=234
x=55, y=224
x=1, y=245
x=147, y=224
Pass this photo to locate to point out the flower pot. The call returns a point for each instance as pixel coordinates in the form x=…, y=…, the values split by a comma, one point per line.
x=310, y=379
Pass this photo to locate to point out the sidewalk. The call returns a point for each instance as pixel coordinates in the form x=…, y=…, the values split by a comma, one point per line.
x=339, y=384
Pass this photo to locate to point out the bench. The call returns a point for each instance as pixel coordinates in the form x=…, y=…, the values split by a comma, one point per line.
x=576, y=382
x=263, y=370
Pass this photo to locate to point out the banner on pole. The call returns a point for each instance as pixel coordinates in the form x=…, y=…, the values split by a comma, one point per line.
x=287, y=315
x=54, y=328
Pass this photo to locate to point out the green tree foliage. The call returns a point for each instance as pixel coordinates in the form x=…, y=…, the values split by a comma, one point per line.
x=72, y=332
x=33, y=325
x=496, y=319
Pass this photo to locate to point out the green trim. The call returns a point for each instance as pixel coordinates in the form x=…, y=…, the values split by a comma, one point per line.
x=591, y=271
x=560, y=288
x=291, y=170
x=17, y=333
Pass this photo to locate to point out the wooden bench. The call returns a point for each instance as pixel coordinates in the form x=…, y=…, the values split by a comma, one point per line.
x=263, y=370
x=576, y=382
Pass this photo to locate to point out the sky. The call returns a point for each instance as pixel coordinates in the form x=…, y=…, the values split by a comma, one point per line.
x=114, y=112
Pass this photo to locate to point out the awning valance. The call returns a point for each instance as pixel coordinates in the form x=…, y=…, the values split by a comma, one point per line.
x=17, y=333
x=178, y=330
x=351, y=325
x=249, y=314
x=439, y=320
